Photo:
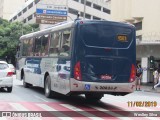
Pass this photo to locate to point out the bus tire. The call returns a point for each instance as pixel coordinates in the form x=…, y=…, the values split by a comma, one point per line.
x=26, y=85
x=9, y=89
x=47, y=87
x=93, y=97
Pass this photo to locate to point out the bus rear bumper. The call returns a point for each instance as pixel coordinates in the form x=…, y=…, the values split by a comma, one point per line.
x=105, y=88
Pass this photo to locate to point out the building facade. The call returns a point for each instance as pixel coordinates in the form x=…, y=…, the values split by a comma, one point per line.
x=94, y=9
x=145, y=16
x=8, y=7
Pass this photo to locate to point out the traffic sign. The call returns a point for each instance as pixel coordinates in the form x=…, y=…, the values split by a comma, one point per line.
x=52, y=12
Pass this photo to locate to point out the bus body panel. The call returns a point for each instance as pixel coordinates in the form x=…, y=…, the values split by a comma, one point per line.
x=83, y=87
x=35, y=68
x=102, y=55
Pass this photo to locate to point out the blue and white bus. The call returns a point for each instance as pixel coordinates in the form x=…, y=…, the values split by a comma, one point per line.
x=80, y=57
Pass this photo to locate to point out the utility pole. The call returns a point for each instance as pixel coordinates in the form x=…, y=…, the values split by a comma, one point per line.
x=84, y=12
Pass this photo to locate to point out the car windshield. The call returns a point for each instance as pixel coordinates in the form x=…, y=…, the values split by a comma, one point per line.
x=3, y=66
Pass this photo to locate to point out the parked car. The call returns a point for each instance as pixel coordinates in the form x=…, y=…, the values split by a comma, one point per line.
x=11, y=66
x=6, y=76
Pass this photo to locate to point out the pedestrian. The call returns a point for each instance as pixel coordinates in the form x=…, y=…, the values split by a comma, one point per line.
x=139, y=72
x=155, y=86
x=156, y=77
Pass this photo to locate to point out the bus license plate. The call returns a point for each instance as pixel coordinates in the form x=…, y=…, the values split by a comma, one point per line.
x=106, y=77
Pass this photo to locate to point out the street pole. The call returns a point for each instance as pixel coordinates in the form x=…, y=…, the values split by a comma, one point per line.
x=84, y=12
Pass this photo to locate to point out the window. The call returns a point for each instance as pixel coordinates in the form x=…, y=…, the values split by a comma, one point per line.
x=73, y=11
x=138, y=25
x=97, y=7
x=30, y=5
x=106, y=10
x=24, y=21
x=24, y=10
x=88, y=3
x=96, y=18
x=76, y=0
x=31, y=47
x=30, y=17
x=41, y=45
x=36, y=1
x=55, y=44
x=28, y=47
x=65, y=44
x=82, y=1
x=87, y=16
x=81, y=14
x=37, y=48
x=44, y=45
x=19, y=14
x=15, y=17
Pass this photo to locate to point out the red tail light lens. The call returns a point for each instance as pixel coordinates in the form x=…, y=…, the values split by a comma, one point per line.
x=77, y=71
x=9, y=74
x=133, y=74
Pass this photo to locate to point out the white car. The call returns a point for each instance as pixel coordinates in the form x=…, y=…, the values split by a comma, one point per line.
x=11, y=66
x=6, y=76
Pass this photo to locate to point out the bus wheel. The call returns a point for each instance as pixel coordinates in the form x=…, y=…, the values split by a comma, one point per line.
x=93, y=97
x=9, y=89
x=26, y=85
x=47, y=87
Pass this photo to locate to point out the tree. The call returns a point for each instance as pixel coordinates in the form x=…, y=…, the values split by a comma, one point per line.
x=10, y=34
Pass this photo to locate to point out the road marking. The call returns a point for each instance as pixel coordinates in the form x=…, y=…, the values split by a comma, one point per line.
x=78, y=110
x=40, y=98
x=110, y=112
x=20, y=107
x=3, y=118
x=48, y=108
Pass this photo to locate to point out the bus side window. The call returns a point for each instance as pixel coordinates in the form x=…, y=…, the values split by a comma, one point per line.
x=65, y=44
x=25, y=47
x=44, y=45
x=30, y=48
x=37, y=51
x=55, y=44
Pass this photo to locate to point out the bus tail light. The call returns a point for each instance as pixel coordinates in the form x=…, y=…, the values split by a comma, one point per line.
x=133, y=74
x=9, y=74
x=77, y=71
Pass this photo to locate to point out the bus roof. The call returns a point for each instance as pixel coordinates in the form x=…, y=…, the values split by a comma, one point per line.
x=55, y=27
x=64, y=25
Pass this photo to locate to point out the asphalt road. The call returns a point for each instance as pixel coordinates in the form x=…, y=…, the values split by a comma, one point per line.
x=35, y=95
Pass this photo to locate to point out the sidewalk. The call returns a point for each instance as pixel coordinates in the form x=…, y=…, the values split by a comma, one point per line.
x=148, y=88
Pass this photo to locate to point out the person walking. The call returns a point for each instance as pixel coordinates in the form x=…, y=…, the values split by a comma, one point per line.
x=156, y=77
x=155, y=86
x=139, y=72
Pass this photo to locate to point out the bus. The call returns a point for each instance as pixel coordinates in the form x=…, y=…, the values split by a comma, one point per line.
x=90, y=57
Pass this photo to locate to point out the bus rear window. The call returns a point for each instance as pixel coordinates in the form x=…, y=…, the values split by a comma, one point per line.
x=100, y=35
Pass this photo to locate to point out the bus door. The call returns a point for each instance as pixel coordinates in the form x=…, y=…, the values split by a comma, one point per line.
x=63, y=66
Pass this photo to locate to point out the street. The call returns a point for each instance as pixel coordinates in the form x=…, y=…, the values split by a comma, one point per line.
x=76, y=107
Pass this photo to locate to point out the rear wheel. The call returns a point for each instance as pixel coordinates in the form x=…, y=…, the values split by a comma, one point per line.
x=93, y=97
x=47, y=87
x=9, y=89
x=26, y=85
